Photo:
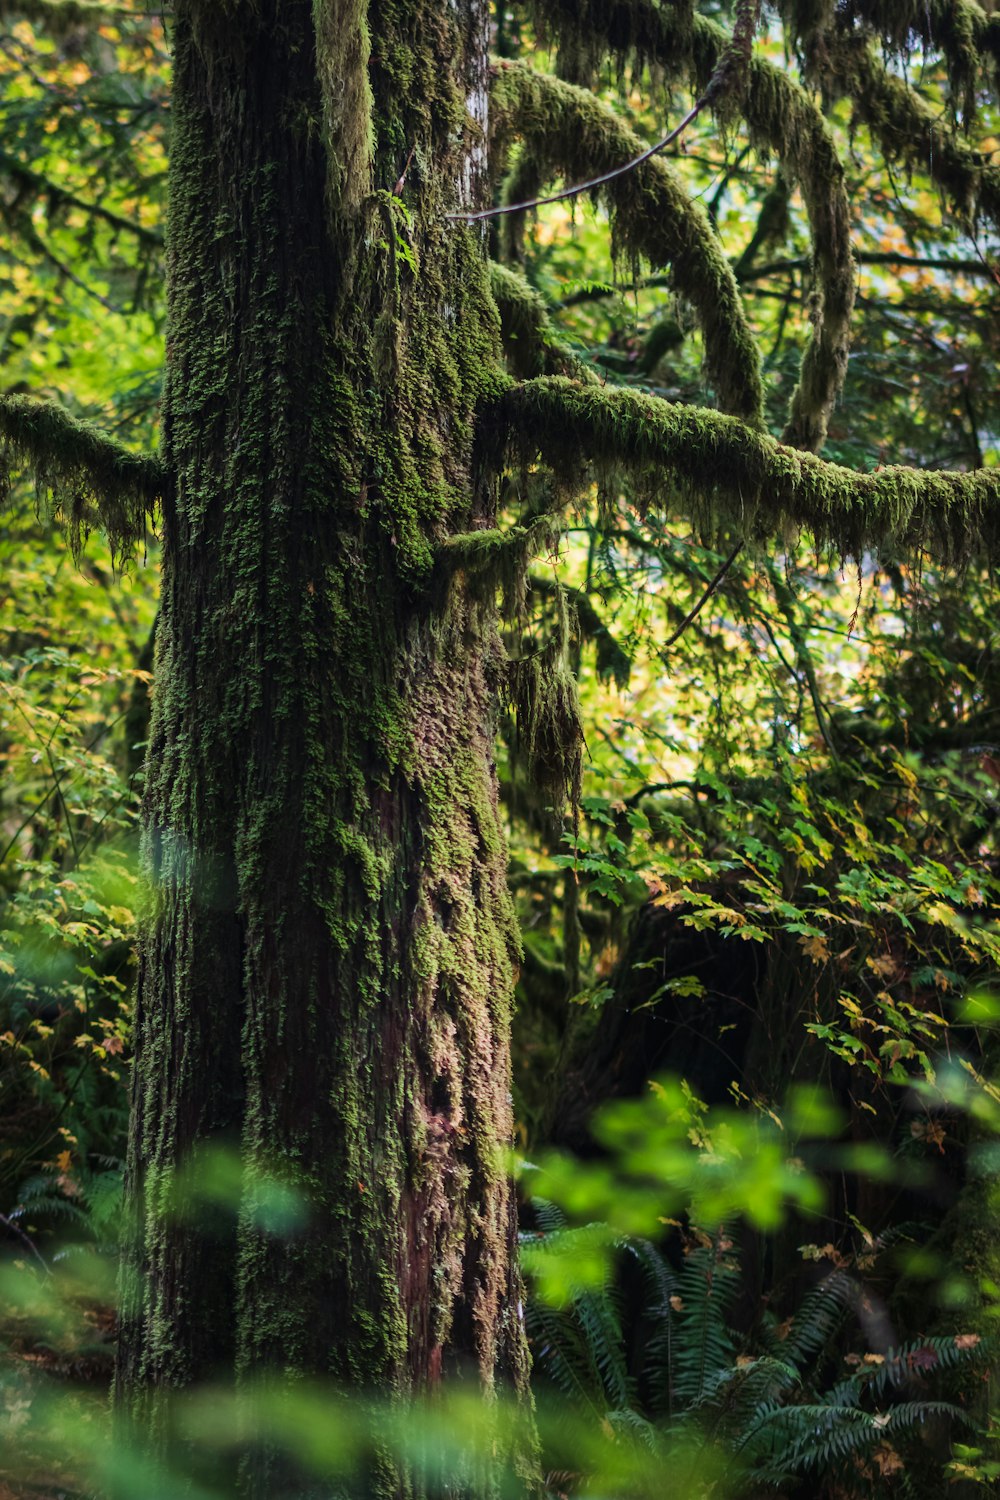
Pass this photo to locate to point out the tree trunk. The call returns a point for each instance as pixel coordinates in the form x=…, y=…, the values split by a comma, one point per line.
x=326, y=972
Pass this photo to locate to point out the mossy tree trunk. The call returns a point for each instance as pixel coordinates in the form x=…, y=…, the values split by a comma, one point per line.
x=326, y=974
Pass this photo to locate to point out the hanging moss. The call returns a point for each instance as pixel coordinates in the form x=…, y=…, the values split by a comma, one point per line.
x=782, y=120
x=343, y=49
x=530, y=342
x=497, y=560
x=612, y=661
x=542, y=692
x=522, y=184
x=967, y=38
x=86, y=478
x=806, y=21
x=909, y=130
x=728, y=470
x=569, y=133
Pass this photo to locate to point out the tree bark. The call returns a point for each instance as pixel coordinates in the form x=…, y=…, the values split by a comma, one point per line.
x=326, y=971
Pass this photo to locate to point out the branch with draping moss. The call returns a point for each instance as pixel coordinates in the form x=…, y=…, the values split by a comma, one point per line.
x=781, y=119
x=967, y=38
x=566, y=131
x=530, y=341
x=728, y=471
x=727, y=81
x=908, y=130
x=86, y=477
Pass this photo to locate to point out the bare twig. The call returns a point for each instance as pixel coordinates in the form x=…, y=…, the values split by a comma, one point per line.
x=26, y=1240
x=696, y=611
x=585, y=187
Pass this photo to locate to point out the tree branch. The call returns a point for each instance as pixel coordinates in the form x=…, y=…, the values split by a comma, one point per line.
x=86, y=476
x=58, y=194
x=530, y=342
x=968, y=38
x=60, y=16
x=566, y=130
x=781, y=119
x=719, y=464
x=909, y=130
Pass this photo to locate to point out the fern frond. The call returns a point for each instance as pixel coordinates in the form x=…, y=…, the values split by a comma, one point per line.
x=707, y=1287
x=818, y=1319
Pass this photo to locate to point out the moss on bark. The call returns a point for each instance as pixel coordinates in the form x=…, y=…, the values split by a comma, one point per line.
x=327, y=966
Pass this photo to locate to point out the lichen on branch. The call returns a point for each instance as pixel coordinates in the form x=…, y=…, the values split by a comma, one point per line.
x=567, y=132
x=86, y=477
x=728, y=470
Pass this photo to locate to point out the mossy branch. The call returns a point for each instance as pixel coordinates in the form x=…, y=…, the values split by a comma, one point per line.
x=965, y=35
x=568, y=132
x=498, y=559
x=909, y=130
x=782, y=120
x=530, y=342
x=85, y=476
x=727, y=469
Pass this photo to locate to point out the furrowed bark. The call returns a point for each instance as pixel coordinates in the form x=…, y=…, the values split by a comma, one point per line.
x=326, y=972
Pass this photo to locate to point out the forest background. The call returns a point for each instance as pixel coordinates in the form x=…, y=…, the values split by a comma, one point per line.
x=776, y=866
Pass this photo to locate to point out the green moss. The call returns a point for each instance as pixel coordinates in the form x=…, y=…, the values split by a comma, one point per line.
x=530, y=342
x=721, y=465
x=962, y=31
x=542, y=691
x=568, y=132
x=909, y=130
x=87, y=478
x=783, y=121
x=343, y=49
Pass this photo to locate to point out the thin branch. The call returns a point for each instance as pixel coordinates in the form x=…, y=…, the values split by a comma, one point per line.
x=25, y=174
x=693, y=614
x=593, y=183
x=26, y=1240
x=955, y=264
